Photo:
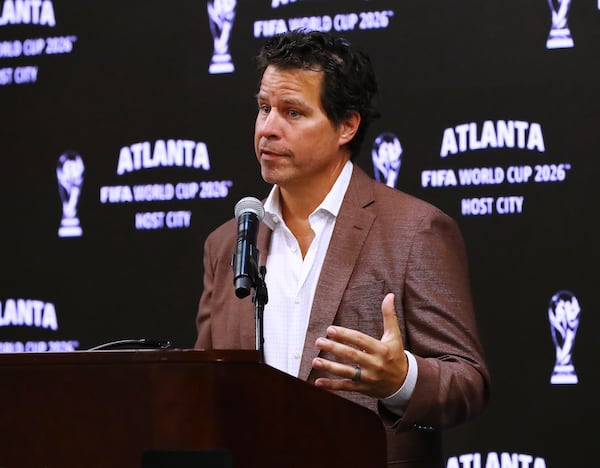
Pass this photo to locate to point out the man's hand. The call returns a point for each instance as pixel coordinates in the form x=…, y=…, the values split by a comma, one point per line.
x=383, y=364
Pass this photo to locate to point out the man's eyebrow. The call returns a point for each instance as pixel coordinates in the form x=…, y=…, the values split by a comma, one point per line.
x=285, y=100
x=293, y=101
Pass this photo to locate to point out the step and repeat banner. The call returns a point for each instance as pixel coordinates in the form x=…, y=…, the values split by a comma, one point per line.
x=126, y=137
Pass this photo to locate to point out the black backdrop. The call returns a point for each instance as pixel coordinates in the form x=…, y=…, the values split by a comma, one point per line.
x=104, y=80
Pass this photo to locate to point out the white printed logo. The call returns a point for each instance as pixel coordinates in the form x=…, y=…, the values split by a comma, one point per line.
x=69, y=172
x=560, y=35
x=387, y=158
x=221, y=14
x=563, y=313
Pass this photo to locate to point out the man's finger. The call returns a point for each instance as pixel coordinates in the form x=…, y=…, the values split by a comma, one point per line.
x=390, y=320
x=353, y=338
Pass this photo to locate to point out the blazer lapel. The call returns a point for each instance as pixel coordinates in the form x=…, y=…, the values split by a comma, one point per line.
x=351, y=229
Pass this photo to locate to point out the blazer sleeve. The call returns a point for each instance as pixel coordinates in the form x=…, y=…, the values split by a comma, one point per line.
x=453, y=383
x=204, y=338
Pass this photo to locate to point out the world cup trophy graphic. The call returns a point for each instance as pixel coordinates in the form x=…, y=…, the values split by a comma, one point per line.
x=69, y=172
x=560, y=35
x=221, y=14
x=386, y=153
x=563, y=313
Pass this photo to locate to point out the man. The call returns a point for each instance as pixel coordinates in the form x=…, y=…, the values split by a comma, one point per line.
x=368, y=286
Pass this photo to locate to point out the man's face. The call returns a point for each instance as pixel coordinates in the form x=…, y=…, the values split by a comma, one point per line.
x=296, y=144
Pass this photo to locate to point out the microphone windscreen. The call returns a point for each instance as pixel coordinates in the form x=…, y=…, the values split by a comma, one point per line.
x=249, y=204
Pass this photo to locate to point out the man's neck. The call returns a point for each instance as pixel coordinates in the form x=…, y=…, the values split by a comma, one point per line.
x=299, y=201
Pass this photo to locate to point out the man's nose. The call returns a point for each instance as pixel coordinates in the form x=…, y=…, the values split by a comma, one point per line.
x=270, y=125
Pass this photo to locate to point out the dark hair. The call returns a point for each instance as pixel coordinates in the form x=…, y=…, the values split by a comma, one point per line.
x=349, y=80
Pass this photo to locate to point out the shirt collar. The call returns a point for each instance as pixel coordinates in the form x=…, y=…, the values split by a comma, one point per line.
x=332, y=202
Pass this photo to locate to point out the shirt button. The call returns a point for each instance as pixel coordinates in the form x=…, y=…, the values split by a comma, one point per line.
x=296, y=355
x=297, y=300
x=275, y=219
x=293, y=249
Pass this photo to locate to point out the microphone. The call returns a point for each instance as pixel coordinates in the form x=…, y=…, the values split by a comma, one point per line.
x=248, y=211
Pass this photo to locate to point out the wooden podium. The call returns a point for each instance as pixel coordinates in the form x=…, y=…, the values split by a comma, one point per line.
x=134, y=408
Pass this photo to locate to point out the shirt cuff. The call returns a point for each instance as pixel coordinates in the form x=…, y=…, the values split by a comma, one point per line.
x=398, y=401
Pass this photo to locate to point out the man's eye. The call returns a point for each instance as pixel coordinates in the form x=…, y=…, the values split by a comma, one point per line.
x=264, y=109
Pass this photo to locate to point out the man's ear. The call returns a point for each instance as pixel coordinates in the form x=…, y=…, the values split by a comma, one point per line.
x=349, y=127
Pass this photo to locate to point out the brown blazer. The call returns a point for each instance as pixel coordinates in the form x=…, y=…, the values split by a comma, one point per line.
x=383, y=241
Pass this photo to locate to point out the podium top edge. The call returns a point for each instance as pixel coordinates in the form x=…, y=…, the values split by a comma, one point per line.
x=130, y=356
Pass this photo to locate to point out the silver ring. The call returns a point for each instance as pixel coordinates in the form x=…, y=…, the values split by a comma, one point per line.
x=356, y=377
